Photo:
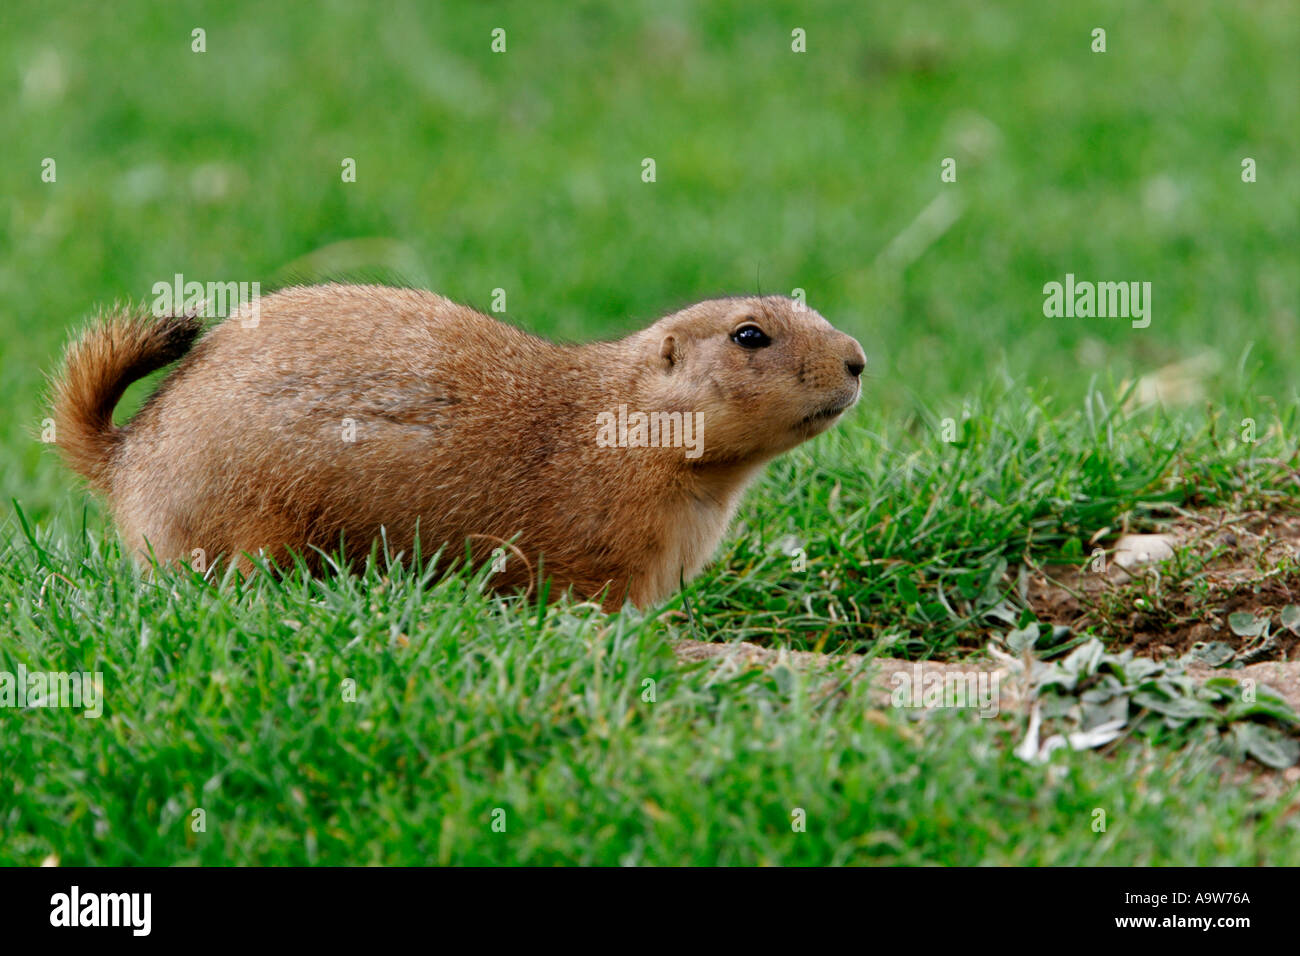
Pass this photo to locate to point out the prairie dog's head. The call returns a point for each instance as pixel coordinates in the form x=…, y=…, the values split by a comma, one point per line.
x=766, y=373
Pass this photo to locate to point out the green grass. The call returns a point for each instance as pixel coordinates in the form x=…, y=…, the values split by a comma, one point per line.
x=232, y=701
x=776, y=171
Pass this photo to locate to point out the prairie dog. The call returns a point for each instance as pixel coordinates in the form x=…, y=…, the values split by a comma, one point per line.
x=349, y=408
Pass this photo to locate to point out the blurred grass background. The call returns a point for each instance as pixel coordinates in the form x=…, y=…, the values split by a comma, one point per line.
x=775, y=170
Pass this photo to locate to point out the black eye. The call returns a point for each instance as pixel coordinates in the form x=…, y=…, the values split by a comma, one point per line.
x=750, y=337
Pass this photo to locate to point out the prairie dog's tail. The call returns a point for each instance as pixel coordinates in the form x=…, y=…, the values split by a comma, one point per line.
x=98, y=365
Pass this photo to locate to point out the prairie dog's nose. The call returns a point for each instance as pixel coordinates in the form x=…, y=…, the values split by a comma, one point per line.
x=856, y=360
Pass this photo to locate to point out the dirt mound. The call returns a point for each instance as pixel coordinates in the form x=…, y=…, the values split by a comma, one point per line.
x=1221, y=565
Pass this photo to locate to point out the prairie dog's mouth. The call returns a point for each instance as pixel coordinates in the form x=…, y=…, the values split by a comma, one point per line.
x=824, y=414
x=833, y=410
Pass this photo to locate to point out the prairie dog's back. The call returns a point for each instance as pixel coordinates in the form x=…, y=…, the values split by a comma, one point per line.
x=382, y=348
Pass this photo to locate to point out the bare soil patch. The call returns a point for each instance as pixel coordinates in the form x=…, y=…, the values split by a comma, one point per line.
x=1223, y=564
x=740, y=655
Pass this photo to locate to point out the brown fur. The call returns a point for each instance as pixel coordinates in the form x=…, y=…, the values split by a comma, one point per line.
x=464, y=426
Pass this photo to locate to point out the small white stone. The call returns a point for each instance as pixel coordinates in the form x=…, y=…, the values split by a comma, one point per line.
x=1135, y=549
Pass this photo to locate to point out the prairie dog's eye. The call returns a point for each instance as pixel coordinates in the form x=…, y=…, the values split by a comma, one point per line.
x=750, y=337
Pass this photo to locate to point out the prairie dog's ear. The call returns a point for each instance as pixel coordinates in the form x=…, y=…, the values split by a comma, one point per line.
x=669, y=352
